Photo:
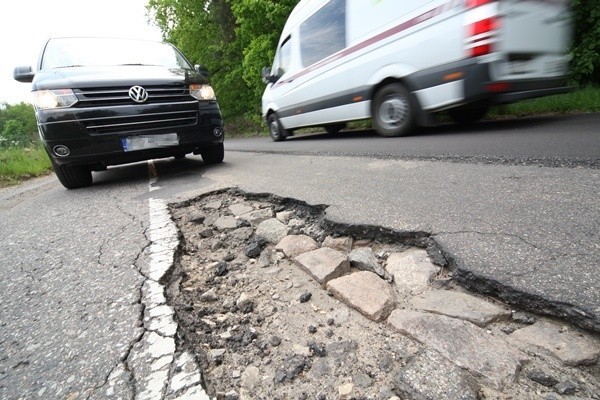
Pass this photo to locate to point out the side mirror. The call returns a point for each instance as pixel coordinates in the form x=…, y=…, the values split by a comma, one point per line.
x=266, y=73
x=23, y=74
x=268, y=77
x=202, y=69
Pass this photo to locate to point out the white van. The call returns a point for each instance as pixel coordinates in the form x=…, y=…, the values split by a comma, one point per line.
x=400, y=62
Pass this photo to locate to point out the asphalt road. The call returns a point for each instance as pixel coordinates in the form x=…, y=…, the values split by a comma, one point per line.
x=512, y=205
x=549, y=141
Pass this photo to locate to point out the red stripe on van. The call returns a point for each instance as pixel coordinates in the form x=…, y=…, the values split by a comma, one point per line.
x=426, y=16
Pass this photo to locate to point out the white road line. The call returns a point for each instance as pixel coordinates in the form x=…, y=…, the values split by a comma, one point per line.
x=163, y=372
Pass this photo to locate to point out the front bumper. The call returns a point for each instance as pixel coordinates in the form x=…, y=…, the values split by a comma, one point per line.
x=93, y=136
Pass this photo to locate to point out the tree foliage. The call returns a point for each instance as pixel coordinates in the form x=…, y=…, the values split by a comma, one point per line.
x=585, y=65
x=18, y=126
x=259, y=25
x=234, y=39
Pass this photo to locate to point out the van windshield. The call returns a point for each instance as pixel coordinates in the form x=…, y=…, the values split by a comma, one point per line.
x=88, y=52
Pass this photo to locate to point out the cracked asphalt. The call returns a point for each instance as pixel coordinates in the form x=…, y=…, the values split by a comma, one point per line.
x=73, y=262
x=71, y=290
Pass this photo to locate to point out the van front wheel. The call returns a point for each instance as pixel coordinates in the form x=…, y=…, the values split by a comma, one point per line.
x=392, y=110
x=73, y=177
x=277, y=131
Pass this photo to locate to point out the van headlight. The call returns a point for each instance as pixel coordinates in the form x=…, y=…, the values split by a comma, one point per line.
x=57, y=98
x=202, y=92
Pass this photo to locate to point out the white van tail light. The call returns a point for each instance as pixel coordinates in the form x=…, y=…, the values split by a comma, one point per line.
x=477, y=3
x=482, y=25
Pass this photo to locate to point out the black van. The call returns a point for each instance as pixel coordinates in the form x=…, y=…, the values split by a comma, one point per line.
x=107, y=101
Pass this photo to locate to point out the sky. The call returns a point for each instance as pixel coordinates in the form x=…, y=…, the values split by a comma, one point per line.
x=26, y=25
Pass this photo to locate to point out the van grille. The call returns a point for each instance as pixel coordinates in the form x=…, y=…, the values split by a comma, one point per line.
x=145, y=121
x=141, y=122
x=118, y=96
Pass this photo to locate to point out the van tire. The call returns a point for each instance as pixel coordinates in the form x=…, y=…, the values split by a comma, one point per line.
x=467, y=116
x=73, y=177
x=213, y=154
x=276, y=130
x=392, y=110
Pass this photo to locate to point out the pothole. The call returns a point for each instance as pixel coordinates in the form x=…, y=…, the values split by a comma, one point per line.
x=275, y=302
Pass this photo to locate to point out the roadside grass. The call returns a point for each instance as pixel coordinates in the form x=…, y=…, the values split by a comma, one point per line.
x=18, y=164
x=584, y=100
x=245, y=127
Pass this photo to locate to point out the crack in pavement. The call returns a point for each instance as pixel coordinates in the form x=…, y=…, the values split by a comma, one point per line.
x=154, y=366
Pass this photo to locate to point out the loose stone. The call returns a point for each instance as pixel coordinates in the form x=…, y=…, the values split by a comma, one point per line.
x=570, y=346
x=323, y=264
x=254, y=247
x=294, y=245
x=365, y=259
x=542, y=378
x=305, y=297
x=365, y=292
x=221, y=269
x=317, y=349
x=460, y=305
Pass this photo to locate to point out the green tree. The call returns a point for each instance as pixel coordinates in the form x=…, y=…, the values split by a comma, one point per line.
x=234, y=39
x=259, y=24
x=585, y=65
x=18, y=126
x=205, y=31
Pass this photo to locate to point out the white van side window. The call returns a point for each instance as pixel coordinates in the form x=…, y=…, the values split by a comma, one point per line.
x=323, y=33
x=285, y=55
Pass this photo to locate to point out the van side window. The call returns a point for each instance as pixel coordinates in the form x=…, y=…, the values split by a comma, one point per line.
x=323, y=33
x=285, y=55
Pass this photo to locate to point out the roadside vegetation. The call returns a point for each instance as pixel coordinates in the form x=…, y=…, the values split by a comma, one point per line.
x=584, y=100
x=234, y=39
x=21, y=153
x=20, y=163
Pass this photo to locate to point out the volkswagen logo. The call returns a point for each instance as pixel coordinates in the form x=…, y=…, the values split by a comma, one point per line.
x=138, y=94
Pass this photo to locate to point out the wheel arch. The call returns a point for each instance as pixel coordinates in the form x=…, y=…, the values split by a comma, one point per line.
x=271, y=111
x=422, y=118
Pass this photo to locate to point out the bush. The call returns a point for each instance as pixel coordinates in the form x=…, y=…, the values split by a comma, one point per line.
x=18, y=126
x=585, y=64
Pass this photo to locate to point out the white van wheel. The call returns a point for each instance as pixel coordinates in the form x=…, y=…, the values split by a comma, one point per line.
x=277, y=131
x=392, y=110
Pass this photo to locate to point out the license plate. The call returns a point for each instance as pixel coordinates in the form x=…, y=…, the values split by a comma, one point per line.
x=518, y=67
x=142, y=142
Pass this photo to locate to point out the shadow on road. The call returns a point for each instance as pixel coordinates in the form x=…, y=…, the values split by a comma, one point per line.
x=483, y=127
x=167, y=169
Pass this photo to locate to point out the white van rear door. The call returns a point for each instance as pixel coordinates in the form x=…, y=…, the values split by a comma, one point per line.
x=533, y=26
x=534, y=36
